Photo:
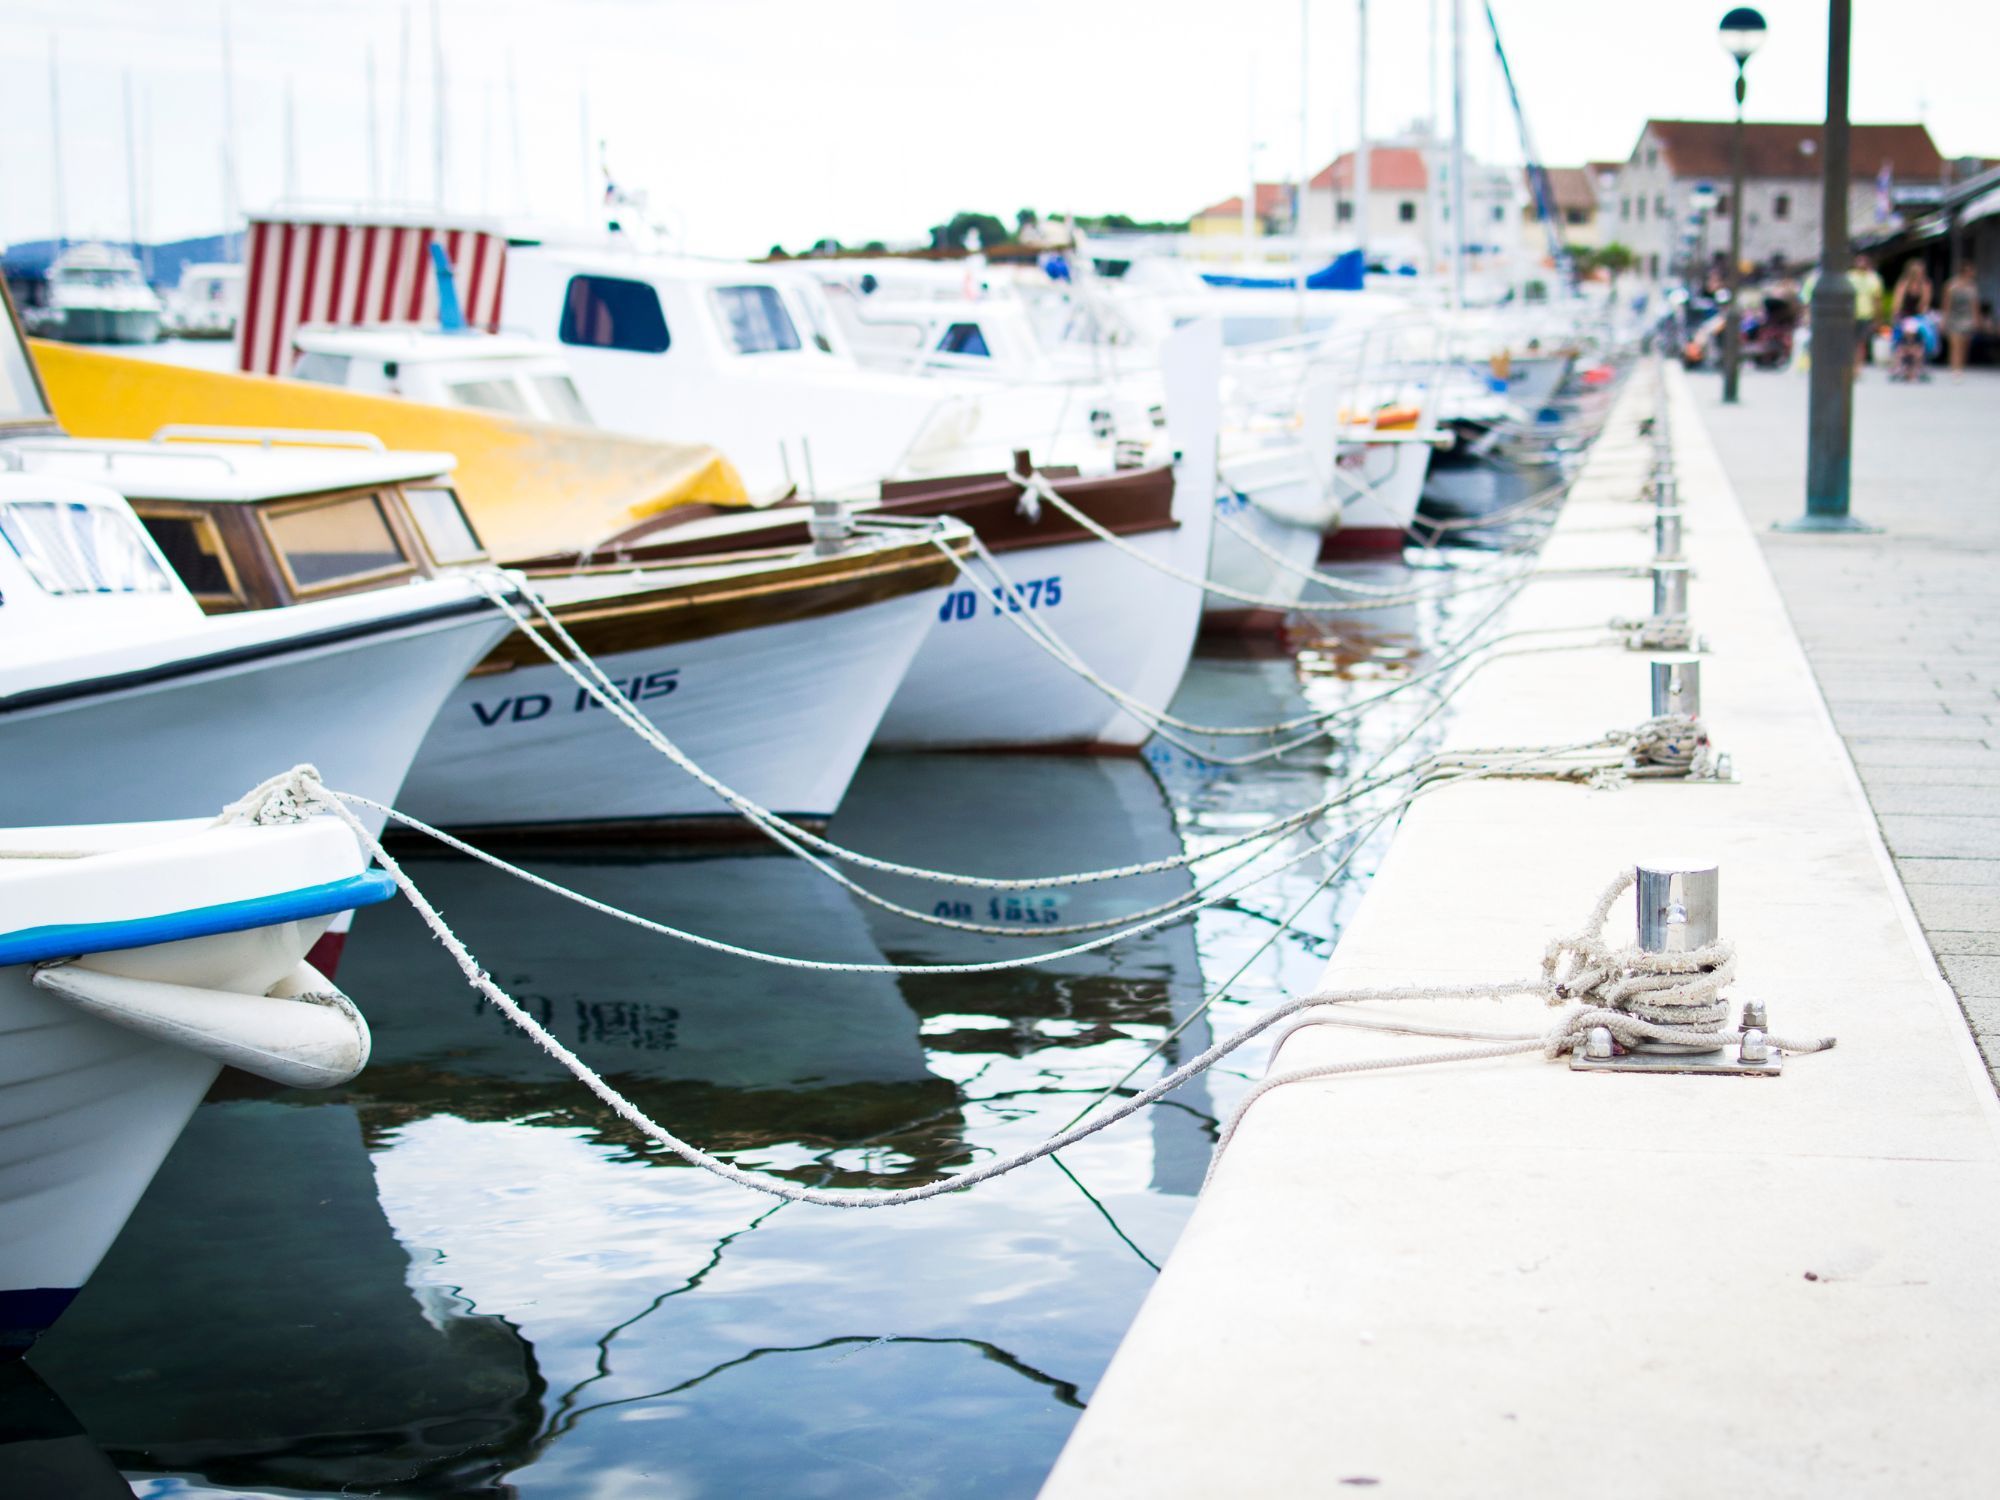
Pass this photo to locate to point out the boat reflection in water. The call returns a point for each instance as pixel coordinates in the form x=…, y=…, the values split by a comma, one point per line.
x=466, y=1268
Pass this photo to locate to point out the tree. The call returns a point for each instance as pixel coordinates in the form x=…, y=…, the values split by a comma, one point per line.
x=777, y=252
x=1024, y=220
x=952, y=236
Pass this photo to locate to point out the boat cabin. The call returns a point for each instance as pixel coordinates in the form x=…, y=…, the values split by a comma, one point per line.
x=489, y=372
x=255, y=520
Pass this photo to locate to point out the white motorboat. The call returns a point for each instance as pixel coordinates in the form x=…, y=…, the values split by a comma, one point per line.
x=135, y=961
x=207, y=302
x=120, y=699
x=771, y=669
x=97, y=295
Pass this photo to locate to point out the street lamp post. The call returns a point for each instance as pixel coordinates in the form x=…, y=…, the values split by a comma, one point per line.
x=1830, y=414
x=1742, y=32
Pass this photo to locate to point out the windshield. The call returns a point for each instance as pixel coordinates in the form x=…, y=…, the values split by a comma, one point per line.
x=72, y=548
x=756, y=319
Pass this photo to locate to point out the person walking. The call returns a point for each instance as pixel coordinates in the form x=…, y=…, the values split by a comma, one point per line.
x=1908, y=307
x=1867, y=307
x=1961, y=316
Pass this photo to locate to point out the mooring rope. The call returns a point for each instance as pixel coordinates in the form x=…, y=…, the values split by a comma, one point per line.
x=1595, y=975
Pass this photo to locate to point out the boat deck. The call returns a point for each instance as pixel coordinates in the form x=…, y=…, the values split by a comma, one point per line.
x=1503, y=1276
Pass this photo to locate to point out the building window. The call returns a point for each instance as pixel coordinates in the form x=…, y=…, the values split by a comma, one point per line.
x=1781, y=206
x=756, y=319
x=1642, y=210
x=1660, y=206
x=1343, y=211
x=609, y=312
x=1652, y=157
x=1406, y=211
x=1499, y=213
x=1653, y=266
x=1722, y=205
x=1625, y=208
x=1575, y=216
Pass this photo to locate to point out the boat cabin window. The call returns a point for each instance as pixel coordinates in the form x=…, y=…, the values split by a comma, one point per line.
x=193, y=546
x=490, y=395
x=323, y=544
x=964, y=338
x=756, y=319
x=72, y=548
x=325, y=369
x=609, y=312
x=441, y=519
x=560, y=396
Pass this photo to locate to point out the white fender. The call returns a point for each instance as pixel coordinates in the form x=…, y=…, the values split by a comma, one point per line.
x=304, y=1033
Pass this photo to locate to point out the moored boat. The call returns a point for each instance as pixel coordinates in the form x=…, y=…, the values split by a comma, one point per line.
x=135, y=961
x=98, y=296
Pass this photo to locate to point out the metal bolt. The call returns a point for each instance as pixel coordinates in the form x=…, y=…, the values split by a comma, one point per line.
x=1754, y=1017
x=1598, y=1042
x=1677, y=686
x=1670, y=590
x=1756, y=1047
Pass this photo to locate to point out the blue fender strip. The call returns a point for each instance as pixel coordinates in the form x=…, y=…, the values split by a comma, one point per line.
x=33, y=945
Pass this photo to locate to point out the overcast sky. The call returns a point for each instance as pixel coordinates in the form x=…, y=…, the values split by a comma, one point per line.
x=750, y=122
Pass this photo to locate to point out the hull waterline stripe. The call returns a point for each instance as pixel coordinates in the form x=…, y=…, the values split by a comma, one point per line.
x=35, y=945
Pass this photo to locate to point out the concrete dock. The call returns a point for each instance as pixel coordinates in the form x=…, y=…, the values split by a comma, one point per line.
x=1503, y=1277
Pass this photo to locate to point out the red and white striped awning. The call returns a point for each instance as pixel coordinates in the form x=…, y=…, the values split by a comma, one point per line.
x=321, y=270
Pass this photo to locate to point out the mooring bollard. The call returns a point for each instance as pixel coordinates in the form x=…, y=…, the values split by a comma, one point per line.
x=830, y=526
x=1677, y=908
x=1670, y=590
x=1677, y=687
x=1667, y=534
x=1666, y=489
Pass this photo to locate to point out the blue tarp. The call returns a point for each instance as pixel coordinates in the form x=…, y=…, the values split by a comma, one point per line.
x=1344, y=273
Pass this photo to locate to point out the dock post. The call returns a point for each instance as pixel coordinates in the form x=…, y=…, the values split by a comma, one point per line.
x=1667, y=534
x=1670, y=591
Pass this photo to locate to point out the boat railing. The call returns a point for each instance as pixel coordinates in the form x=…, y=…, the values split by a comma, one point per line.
x=110, y=451
x=269, y=437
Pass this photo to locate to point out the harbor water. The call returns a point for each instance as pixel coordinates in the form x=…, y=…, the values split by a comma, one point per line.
x=476, y=1281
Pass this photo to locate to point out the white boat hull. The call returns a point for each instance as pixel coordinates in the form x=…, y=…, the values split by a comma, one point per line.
x=107, y=325
x=187, y=745
x=1380, y=502
x=980, y=683
x=1276, y=500
x=780, y=713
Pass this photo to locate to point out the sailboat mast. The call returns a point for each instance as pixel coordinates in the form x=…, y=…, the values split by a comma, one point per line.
x=55, y=141
x=1459, y=227
x=1249, y=157
x=437, y=107
x=232, y=196
x=131, y=170
x=1430, y=144
x=403, y=110
x=374, y=134
x=291, y=143
x=1361, y=175
x=1304, y=172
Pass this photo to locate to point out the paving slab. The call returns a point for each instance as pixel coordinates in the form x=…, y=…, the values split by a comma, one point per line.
x=1502, y=1277
x=1927, y=471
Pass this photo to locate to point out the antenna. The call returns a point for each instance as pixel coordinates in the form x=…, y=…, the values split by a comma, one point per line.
x=1361, y=174
x=486, y=149
x=1305, y=157
x=583, y=140
x=55, y=141
x=1459, y=228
